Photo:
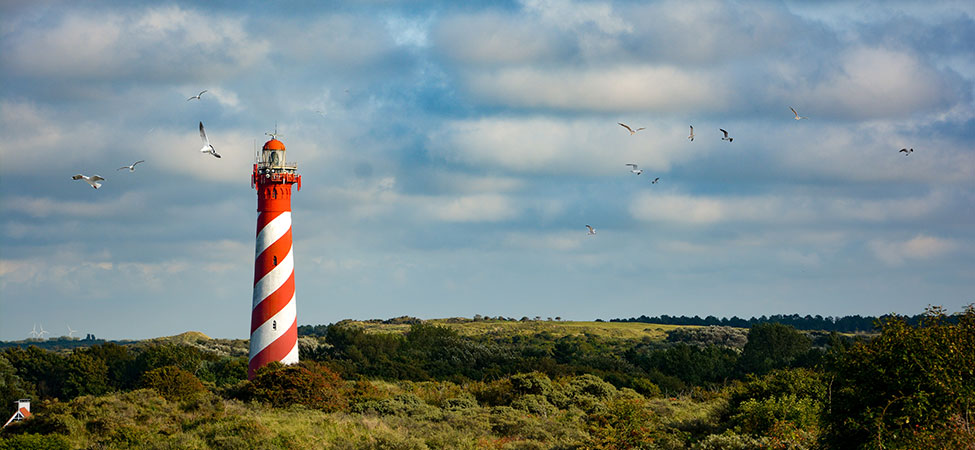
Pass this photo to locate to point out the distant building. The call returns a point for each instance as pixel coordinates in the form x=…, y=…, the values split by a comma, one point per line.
x=23, y=411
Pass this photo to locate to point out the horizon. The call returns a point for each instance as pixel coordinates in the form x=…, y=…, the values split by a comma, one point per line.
x=452, y=156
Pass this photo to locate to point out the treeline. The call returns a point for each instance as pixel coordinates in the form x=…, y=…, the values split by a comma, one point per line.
x=845, y=324
x=430, y=387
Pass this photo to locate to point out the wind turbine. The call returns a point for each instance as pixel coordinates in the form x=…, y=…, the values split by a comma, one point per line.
x=33, y=331
x=41, y=333
x=70, y=331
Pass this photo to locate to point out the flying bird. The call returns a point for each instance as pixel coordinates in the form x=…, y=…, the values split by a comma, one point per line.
x=92, y=180
x=634, y=169
x=132, y=166
x=592, y=230
x=906, y=151
x=798, y=117
x=726, y=138
x=632, y=131
x=207, y=148
x=691, y=137
x=655, y=180
x=197, y=96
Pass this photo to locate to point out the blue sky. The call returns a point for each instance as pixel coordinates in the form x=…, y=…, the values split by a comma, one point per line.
x=452, y=153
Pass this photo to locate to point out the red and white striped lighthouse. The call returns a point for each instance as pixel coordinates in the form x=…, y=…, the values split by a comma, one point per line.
x=274, y=315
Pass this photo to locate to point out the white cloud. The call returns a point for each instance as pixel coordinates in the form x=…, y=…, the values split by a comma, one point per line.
x=156, y=43
x=490, y=38
x=574, y=15
x=795, y=208
x=562, y=241
x=876, y=82
x=920, y=247
x=608, y=89
x=548, y=145
x=471, y=208
x=40, y=207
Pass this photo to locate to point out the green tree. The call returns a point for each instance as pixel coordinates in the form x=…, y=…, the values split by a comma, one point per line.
x=772, y=346
x=306, y=383
x=911, y=387
x=173, y=383
x=12, y=387
x=84, y=375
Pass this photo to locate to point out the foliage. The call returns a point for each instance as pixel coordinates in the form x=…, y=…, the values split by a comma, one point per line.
x=625, y=423
x=34, y=442
x=173, y=383
x=306, y=383
x=12, y=387
x=772, y=346
x=908, y=386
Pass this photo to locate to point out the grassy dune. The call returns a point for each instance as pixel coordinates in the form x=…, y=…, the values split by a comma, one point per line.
x=466, y=327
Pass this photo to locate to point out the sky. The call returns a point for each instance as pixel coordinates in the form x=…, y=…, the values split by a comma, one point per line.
x=452, y=153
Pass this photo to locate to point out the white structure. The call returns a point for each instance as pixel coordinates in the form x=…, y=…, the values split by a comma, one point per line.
x=23, y=411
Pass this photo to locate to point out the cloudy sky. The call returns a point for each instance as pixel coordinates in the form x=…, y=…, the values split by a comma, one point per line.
x=453, y=152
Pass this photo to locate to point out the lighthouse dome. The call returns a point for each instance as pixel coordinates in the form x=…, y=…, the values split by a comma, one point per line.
x=274, y=144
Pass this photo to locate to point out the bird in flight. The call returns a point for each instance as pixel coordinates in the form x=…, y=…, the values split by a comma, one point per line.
x=207, y=148
x=726, y=138
x=655, y=180
x=798, y=117
x=592, y=230
x=132, y=166
x=691, y=137
x=92, y=180
x=634, y=169
x=906, y=151
x=632, y=131
x=197, y=96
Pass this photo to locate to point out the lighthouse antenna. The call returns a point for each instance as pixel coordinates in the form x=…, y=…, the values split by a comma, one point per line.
x=275, y=134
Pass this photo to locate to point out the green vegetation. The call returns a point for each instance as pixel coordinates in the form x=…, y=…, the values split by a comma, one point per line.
x=511, y=385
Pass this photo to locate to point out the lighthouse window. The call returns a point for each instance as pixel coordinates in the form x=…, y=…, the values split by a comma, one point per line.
x=275, y=260
x=274, y=193
x=274, y=324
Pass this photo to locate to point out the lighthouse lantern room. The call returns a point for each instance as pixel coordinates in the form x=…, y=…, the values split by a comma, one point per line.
x=274, y=318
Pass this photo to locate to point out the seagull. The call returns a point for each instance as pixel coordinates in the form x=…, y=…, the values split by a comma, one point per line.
x=655, y=180
x=592, y=230
x=906, y=151
x=131, y=167
x=197, y=96
x=691, y=137
x=634, y=169
x=92, y=180
x=798, y=117
x=726, y=138
x=632, y=131
x=207, y=148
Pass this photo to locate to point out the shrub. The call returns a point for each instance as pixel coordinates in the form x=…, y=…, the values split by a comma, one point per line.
x=306, y=383
x=34, y=442
x=172, y=383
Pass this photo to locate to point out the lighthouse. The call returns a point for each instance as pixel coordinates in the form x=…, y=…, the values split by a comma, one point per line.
x=274, y=315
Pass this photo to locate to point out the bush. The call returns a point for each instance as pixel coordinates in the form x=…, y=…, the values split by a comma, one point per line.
x=33, y=442
x=172, y=383
x=306, y=383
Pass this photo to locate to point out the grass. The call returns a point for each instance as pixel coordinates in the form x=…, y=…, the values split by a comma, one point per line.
x=465, y=327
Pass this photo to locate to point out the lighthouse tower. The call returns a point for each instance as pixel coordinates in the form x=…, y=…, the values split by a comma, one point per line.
x=274, y=318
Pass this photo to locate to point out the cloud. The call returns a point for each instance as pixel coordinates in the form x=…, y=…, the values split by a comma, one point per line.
x=877, y=82
x=551, y=146
x=605, y=89
x=561, y=241
x=777, y=209
x=471, y=208
x=491, y=38
x=920, y=247
x=575, y=15
x=156, y=43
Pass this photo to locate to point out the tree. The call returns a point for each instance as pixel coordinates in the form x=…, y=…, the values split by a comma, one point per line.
x=173, y=383
x=306, y=383
x=772, y=346
x=911, y=387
